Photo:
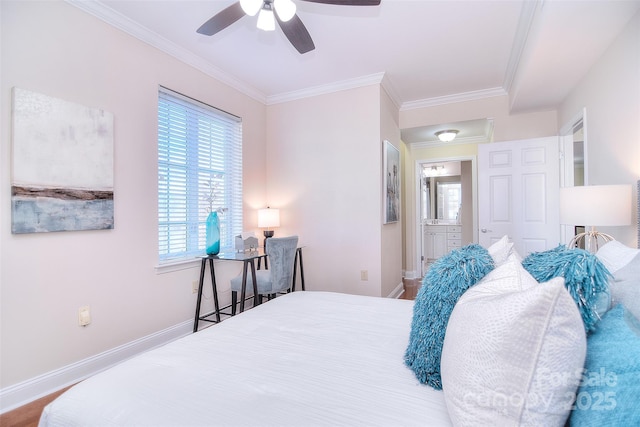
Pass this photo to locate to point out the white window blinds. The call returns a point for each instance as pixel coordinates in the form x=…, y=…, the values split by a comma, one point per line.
x=199, y=170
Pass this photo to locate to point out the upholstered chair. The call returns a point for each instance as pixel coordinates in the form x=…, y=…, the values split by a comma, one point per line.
x=277, y=278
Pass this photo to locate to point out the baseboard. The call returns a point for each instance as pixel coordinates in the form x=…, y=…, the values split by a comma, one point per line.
x=25, y=392
x=397, y=292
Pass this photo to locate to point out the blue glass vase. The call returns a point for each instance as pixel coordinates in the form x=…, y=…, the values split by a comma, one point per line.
x=213, y=234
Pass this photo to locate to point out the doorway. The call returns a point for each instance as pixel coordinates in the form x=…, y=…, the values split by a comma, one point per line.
x=573, y=165
x=446, y=202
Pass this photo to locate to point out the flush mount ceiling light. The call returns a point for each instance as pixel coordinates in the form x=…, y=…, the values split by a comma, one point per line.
x=447, y=135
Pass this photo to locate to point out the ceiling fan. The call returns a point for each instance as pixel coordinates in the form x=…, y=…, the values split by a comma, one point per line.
x=285, y=14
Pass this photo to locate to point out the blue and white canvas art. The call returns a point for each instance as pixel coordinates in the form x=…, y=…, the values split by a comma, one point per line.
x=62, y=174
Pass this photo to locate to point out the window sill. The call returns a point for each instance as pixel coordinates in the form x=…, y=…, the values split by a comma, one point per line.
x=177, y=265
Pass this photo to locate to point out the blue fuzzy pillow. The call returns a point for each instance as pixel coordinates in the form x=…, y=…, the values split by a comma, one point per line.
x=585, y=277
x=445, y=282
x=610, y=385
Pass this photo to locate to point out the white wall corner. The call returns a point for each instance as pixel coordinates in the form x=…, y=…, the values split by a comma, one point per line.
x=27, y=391
x=397, y=292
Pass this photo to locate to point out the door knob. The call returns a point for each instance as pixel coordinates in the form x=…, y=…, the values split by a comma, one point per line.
x=484, y=230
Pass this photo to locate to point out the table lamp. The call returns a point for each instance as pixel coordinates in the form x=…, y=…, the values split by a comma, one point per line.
x=601, y=205
x=268, y=218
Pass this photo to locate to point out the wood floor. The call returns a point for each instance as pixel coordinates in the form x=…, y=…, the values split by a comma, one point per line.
x=411, y=287
x=28, y=415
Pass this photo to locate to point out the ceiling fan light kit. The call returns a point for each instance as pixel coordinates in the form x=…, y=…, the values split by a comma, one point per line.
x=285, y=14
x=266, y=21
x=251, y=7
x=285, y=9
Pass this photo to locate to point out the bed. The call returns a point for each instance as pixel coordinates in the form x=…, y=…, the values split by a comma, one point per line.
x=547, y=340
x=302, y=359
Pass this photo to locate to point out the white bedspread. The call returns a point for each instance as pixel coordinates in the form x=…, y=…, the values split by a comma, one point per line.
x=304, y=359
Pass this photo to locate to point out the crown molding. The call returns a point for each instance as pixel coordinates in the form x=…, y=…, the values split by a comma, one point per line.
x=450, y=99
x=121, y=22
x=325, y=89
x=388, y=87
x=527, y=16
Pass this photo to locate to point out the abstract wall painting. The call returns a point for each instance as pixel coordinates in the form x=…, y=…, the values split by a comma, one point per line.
x=62, y=172
x=391, y=170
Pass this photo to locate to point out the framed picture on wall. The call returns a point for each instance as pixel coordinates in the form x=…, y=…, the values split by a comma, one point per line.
x=391, y=172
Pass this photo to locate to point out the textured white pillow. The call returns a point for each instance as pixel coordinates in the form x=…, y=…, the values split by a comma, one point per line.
x=513, y=351
x=500, y=250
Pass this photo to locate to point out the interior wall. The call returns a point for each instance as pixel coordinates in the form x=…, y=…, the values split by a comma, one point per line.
x=610, y=93
x=54, y=48
x=324, y=160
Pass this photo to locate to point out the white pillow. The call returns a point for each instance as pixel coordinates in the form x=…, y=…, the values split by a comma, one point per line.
x=623, y=263
x=625, y=286
x=615, y=255
x=513, y=351
x=500, y=250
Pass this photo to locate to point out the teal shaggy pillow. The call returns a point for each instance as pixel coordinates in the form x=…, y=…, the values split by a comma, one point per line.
x=445, y=282
x=585, y=277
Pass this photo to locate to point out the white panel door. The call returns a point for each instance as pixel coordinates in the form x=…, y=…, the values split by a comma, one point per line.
x=518, y=190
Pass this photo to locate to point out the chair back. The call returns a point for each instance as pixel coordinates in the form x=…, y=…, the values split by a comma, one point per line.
x=282, y=253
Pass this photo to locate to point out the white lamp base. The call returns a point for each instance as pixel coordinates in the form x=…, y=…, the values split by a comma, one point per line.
x=590, y=239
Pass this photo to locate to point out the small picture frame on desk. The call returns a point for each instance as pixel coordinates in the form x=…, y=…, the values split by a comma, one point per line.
x=246, y=242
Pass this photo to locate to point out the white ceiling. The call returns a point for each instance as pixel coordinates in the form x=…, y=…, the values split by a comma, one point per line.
x=424, y=52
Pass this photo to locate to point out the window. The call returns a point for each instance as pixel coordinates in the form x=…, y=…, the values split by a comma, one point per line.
x=199, y=169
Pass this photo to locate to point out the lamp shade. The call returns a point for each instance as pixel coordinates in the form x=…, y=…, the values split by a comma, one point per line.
x=268, y=218
x=596, y=205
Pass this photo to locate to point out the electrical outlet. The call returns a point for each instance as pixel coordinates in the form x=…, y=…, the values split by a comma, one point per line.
x=194, y=287
x=84, y=316
x=364, y=275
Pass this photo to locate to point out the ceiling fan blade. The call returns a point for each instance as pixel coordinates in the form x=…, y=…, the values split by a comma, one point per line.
x=297, y=34
x=222, y=20
x=347, y=2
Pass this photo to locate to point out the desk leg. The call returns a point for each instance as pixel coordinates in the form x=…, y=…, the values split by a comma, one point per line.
x=244, y=283
x=295, y=271
x=298, y=260
x=203, y=265
x=243, y=294
x=215, y=290
x=299, y=252
x=255, y=282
